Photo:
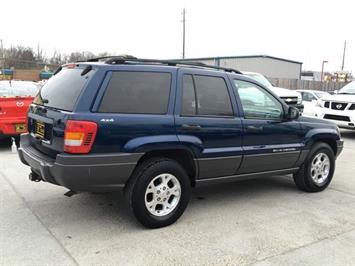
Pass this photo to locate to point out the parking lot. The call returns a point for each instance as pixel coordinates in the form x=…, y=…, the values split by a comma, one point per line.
x=263, y=222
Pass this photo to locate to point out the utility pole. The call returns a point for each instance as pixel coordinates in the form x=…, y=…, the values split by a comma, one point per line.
x=342, y=65
x=183, y=33
x=2, y=59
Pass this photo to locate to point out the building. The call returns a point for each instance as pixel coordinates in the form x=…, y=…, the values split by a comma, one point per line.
x=24, y=74
x=337, y=76
x=270, y=66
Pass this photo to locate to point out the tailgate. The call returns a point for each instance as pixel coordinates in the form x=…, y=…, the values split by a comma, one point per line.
x=14, y=107
x=13, y=111
x=46, y=128
x=52, y=107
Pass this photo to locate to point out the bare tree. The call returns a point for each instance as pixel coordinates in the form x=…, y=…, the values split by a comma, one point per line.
x=27, y=58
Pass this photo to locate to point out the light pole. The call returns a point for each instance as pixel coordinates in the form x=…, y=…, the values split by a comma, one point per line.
x=342, y=65
x=321, y=75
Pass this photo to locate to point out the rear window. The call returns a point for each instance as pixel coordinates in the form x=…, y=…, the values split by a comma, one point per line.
x=137, y=93
x=18, y=88
x=62, y=90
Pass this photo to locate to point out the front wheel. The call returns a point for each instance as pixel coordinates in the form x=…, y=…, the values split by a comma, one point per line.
x=317, y=171
x=158, y=192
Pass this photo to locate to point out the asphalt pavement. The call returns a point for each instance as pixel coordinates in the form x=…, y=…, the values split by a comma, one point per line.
x=256, y=222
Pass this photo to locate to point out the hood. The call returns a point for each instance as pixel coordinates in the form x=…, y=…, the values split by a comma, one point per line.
x=281, y=92
x=340, y=98
x=316, y=121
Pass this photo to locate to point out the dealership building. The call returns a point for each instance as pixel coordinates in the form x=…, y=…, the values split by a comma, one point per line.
x=270, y=66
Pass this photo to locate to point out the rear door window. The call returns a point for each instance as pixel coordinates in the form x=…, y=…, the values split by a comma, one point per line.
x=213, y=97
x=63, y=89
x=137, y=93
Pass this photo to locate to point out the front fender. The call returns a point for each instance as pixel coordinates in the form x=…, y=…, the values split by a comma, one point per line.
x=318, y=134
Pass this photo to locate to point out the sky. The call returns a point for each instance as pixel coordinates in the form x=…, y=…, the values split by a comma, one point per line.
x=306, y=31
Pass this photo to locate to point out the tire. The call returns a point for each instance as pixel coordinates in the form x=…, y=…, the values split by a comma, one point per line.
x=17, y=141
x=312, y=175
x=155, y=203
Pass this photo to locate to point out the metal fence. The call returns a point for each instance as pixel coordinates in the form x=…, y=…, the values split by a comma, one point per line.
x=296, y=84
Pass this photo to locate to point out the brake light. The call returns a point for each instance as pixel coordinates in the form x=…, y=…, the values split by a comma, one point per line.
x=70, y=65
x=79, y=136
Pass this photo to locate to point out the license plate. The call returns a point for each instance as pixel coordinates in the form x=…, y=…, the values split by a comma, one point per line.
x=40, y=129
x=20, y=128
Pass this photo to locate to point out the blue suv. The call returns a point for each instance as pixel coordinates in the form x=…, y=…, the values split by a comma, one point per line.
x=156, y=128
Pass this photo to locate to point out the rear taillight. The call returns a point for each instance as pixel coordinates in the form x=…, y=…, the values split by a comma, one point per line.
x=79, y=136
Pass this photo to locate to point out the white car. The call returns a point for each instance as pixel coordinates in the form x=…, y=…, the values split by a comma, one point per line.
x=310, y=100
x=340, y=107
x=292, y=98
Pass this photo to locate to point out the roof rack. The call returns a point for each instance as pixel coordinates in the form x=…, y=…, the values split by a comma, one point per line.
x=97, y=59
x=122, y=59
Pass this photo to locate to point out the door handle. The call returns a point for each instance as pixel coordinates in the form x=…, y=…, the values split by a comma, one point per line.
x=191, y=127
x=255, y=129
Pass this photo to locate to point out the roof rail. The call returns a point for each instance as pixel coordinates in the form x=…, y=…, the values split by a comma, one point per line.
x=96, y=59
x=122, y=59
x=131, y=59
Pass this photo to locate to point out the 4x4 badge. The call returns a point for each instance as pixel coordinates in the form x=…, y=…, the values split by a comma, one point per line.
x=107, y=120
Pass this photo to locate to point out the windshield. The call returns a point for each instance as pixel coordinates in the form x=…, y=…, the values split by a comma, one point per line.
x=63, y=89
x=17, y=88
x=321, y=94
x=348, y=89
x=261, y=79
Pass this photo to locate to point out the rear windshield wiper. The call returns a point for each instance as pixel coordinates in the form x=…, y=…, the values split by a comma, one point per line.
x=58, y=70
x=86, y=70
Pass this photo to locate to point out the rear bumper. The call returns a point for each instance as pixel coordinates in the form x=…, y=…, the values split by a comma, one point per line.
x=99, y=172
x=7, y=126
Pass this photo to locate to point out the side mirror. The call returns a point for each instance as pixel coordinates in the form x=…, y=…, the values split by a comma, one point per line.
x=335, y=92
x=292, y=113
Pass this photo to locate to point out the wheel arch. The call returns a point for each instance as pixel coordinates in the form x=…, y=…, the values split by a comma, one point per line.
x=183, y=156
x=327, y=136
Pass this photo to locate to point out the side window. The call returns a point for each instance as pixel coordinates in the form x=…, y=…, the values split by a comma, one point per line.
x=188, y=96
x=137, y=93
x=308, y=97
x=213, y=97
x=257, y=103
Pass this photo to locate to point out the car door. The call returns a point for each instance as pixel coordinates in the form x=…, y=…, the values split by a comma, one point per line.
x=205, y=120
x=269, y=141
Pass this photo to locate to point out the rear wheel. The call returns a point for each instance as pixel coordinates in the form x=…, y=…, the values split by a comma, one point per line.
x=317, y=171
x=17, y=141
x=158, y=192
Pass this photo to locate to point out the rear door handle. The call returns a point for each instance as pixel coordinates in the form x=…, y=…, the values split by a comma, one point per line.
x=191, y=127
x=255, y=129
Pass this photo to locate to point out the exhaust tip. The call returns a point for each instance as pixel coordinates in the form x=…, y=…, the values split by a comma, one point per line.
x=34, y=177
